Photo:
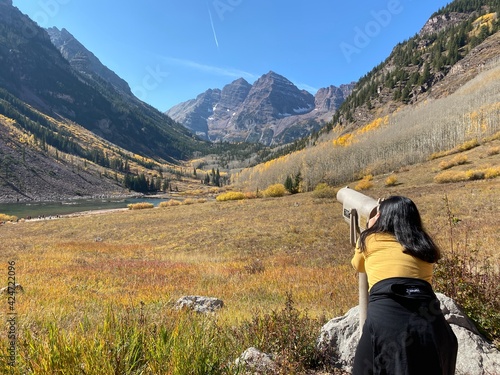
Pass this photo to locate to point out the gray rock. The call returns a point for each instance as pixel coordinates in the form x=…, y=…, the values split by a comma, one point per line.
x=476, y=356
x=256, y=362
x=199, y=304
x=17, y=289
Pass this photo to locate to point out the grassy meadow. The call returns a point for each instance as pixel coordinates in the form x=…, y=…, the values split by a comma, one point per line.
x=99, y=290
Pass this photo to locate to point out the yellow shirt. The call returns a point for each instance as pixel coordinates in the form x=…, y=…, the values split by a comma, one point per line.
x=384, y=258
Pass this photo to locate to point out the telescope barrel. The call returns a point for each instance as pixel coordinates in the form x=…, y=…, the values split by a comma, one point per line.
x=351, y=199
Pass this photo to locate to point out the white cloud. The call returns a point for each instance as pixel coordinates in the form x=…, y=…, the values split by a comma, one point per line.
x=215, y=70
x=304, y=86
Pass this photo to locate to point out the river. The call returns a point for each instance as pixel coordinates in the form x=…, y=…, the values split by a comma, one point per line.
x=36, y=209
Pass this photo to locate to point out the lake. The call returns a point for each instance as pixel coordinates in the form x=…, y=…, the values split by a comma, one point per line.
x=35, y=209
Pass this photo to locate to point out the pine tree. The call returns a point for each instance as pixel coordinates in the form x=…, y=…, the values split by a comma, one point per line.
x=289, y=184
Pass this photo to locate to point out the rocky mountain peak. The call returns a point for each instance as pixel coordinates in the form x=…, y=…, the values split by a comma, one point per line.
x=441, y=22
x=84, y=61
x=272, y=110
x=234, y=93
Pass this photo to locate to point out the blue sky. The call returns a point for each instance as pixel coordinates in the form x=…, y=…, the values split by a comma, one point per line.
x=169, y=51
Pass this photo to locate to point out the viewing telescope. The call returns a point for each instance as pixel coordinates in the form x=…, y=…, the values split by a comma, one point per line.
x=357, y=209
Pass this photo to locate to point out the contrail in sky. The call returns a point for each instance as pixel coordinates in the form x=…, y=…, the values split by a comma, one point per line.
x=213, y=28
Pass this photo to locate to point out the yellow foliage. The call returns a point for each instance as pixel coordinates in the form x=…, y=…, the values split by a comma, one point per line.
x=344, y=140
x=493, y=151
x=450, y=176
x=140, y=206
x=4, y=217
x=230, y=196
x=471, y=174
x=457, y=160
x=485, y=20
x=391, y=180
x=251, y=195
x=365, y=184
x=349, y=138
x=170, y=203
x=492, y=172
x=273, y=191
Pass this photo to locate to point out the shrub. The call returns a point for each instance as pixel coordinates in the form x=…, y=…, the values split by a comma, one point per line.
x=4, y=217
x=468, y=145
x=470, y=280
x=251, y=195
x=463, y=147
x=392, y=180
x=170, y=203
x=493, y=151
x=457, y=160
x=140, y=206
x=492, y=172
x=289, y=335
x=274, y=191
x=471, y=174
x=230, y=196
x=450, y=176
x=474, y=174
x=189, y=201
x=322, y=190
x=365, y=184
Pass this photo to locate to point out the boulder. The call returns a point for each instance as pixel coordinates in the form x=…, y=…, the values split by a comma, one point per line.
x=199, y=304
x=255, y=362
x=476, y=356
x=18, y=288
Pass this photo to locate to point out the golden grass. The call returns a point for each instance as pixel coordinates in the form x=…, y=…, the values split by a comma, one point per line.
x=4, y=217
x=459, y=159
x=140, y=206
x=468, y=175
x=249, y=253
x=157, y=256
x=493, y=151
x=365, y=183
x=391, y=180
x=231, y=196
x=468, y=145
x=170, y=203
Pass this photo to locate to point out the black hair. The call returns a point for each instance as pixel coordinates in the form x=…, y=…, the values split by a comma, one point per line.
x=400, y=217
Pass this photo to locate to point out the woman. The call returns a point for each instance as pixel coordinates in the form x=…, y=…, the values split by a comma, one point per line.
x=405, y=331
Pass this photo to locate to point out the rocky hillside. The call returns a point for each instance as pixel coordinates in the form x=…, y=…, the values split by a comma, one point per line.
x=72, y=128
x=83, y=91
x=84, y=61
x=415, y=69
x=270, y=111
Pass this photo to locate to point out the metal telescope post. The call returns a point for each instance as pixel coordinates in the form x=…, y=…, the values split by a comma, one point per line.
x=355, y=206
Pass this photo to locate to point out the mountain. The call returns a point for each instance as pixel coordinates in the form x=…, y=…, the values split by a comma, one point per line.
x=72, y=128
x=414, y=71
x=271, y=111
x=82, y=90
x=84, y=61
x=435, y=95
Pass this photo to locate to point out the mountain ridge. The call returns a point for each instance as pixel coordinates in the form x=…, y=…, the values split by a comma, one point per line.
x=272, y=110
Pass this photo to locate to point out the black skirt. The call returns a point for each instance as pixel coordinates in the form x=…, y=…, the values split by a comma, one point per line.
x=405, y=332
